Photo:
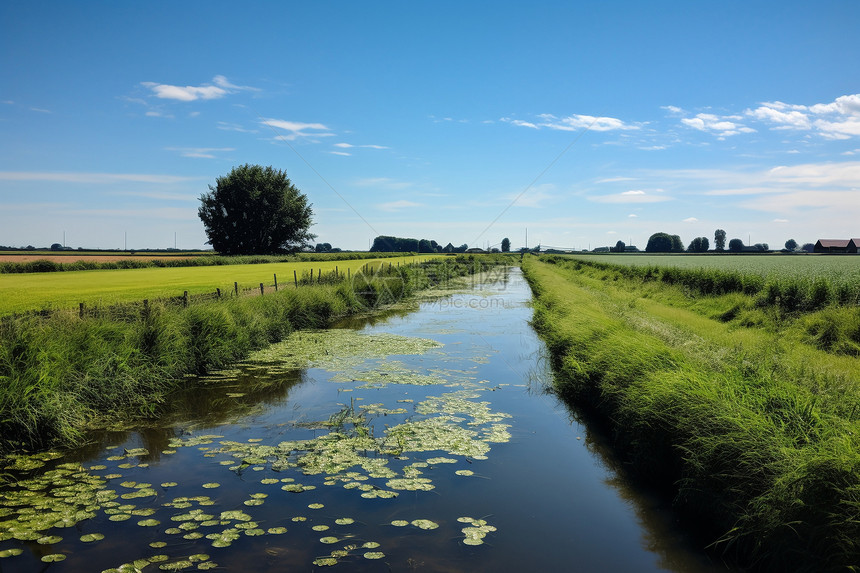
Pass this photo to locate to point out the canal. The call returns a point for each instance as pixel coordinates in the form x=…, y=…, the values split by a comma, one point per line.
x=424, y=440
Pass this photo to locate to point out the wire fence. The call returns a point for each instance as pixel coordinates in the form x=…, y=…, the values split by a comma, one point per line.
x=136, y=310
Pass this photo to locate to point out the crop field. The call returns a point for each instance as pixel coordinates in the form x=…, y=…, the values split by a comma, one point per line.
x=40, y=291
x=844, y=268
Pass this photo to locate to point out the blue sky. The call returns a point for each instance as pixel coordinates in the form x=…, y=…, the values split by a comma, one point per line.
x=584, y=122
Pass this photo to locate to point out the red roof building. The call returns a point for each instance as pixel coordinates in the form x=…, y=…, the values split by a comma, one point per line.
x=837, y=245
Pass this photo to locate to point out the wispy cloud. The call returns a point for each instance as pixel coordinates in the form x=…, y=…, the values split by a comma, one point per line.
x=218, y=88
x=343, y=145
x=200, y=152
x=297, y=129
x=225, y=126
x=573, y=122
x=631, y=196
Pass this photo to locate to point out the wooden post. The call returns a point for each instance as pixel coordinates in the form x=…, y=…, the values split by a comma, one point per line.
x=81, y=310
x=347, y=273
x=335, y=271
x=276, y=283
x=296, y=279
x=218, y=292
x=319, y=275
x=236, y=288
x=185, y=298
x=261, y=289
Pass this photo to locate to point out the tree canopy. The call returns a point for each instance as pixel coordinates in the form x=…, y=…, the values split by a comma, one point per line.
x=736, y=245
x=506, y=245
x=791, y=245
x=719, y=240
x=256, y=210
x=699, y=245
x=664, y=243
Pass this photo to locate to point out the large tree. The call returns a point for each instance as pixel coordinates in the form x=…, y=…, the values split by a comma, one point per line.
x=506, y=245
x=256, y=210
x=720, y=240
x=736, y=245
x=699, y=245
x=791, y=245
x=664, y=243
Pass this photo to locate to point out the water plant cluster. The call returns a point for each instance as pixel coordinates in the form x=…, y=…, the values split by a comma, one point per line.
x=375, y=451
x=724, y=400
x=62, y=375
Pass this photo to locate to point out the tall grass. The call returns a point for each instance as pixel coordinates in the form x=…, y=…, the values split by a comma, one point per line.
x=758, y=441
x=61, y=375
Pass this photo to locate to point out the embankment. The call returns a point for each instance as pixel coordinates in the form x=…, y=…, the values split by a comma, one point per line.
x=751, y=427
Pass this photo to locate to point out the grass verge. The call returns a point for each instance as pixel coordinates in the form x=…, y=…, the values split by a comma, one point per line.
x=61, y=375
x=755, y=433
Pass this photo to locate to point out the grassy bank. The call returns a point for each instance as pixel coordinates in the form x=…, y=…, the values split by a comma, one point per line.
x=719, y=398
x=61, y=375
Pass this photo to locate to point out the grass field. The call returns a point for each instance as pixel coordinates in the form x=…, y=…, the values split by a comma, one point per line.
x=842, y=268
x=39, y=291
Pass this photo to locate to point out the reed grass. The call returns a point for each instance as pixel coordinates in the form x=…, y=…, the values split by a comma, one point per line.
x=756, y=435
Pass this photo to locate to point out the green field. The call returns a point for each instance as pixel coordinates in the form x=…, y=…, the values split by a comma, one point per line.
x=841, y=268
x=39, y=291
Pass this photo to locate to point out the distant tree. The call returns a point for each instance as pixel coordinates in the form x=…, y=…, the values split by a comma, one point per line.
x=677, y=245
x=256, y=210
x=462, y=248
x=791, y=245
x=619, y=247
x=506, y=245
x=659, y=243
x=720, y=240
x=424, y=246
x=323, y=247
x=449, y=248
x=699, y=245
x=808, y=247
x=763, y=247
x=56, y=247
x=736, y=245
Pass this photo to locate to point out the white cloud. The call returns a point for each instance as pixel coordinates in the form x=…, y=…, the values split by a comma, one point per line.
x=398, y=205
x=187, y=93
x=839, y=119
x=632, y=216
x=691, y=220
x=574, y=123
x=223, y=125
x=343, y=145
x=298, y=129
x=220, y=88
x=590, y=122
x=781, y=221
x=343, y=153
x=632, y=196
x=721, y=126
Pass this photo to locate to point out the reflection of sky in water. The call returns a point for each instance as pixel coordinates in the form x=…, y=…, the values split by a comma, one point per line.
x=543, y=500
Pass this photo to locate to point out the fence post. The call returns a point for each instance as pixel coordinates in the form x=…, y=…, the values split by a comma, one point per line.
x=295, y=279
x=276, y=283
x=347, y=273
x=319, y=275
x=236, y=288
x=218, y=292
x=185, y=298
x=81, y=310
x=335, y=271
x=261, y=289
